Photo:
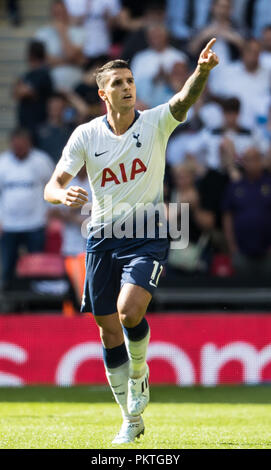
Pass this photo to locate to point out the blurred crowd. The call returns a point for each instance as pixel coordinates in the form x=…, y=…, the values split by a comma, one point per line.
x=219, y=160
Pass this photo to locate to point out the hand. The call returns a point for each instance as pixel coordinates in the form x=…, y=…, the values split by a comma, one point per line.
x=74, y=196
x=208, y=59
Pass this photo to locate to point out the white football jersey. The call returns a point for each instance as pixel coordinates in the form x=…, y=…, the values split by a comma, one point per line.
x=129, y=168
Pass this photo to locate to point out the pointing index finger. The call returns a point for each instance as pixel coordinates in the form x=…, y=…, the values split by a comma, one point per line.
x=210, y=44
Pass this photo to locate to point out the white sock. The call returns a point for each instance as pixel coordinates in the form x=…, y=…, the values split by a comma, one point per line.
x=137, y=352
x=118, y=380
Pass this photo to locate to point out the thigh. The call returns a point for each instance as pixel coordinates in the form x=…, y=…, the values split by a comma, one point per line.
x=102, y=284
x=35, y=240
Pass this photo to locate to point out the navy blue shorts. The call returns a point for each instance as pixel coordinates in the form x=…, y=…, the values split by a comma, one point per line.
x=107, y=271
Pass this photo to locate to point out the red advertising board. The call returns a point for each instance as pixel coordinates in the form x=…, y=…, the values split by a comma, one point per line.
x=205, y=349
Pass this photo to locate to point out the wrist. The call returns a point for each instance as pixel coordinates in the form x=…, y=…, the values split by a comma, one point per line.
x=61, y=195
x=203, y=69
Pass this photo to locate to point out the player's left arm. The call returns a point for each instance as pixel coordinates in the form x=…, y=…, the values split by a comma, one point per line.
x=193, y=87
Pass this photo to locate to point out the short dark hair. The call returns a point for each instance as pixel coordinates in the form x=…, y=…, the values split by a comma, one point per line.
x=21, y=132
x=231, y=105
x=101, y=72
x=58, y=95
x=36, y=50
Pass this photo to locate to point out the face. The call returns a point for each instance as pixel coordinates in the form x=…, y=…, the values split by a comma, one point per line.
x=252, y=162
x=119, y=91
x=251, y=55
x=59, y=12
x=56, y=108
x=20, y=145
x=157, y=37
x=222, y=9
x=231, y=118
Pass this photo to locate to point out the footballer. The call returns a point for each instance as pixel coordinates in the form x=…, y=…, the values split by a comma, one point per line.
x=124, y=154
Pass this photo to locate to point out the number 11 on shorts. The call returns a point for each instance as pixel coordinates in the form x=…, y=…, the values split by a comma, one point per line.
x=154, y=276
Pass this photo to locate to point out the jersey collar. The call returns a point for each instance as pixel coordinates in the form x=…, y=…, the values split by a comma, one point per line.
x=105, y=120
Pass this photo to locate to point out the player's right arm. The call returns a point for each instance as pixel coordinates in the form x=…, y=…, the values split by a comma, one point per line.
x=193, y=87
x=56, y=192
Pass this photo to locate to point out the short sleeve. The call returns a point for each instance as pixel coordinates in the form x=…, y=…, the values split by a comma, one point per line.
x=73, y=156
x=167, y=122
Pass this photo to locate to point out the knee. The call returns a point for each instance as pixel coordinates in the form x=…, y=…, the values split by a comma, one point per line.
x=130, y=314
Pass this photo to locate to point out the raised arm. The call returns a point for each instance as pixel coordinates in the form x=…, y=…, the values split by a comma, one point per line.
x=193, y=87
x=55, y=191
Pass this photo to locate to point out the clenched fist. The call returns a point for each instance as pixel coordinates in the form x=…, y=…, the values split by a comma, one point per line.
x=74, y=196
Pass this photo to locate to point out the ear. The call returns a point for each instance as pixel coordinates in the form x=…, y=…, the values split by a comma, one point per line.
x=102, y=94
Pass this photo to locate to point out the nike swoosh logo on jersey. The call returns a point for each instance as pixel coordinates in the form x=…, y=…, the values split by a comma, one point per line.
x=98, y=154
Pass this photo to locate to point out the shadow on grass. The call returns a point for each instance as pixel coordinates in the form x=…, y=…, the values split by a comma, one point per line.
x=159, y=394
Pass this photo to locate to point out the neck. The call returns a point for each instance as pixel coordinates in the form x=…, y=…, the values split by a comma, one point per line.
x=251, y=68
x=232, y=127
x=120, y=122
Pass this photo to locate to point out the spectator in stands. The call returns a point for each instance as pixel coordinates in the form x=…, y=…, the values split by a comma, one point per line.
x=63, y=43
x=247, y=217
x=187, y=141
x=137, y=40
x=188, y=16
x=131, y=17
x=87, y=91
x=231, y=138
x=52, y=136
x=184, y=17
x=159, y=89
x=33, y=89
x=100, y=17
x=229, y=42
x=76, y=10
x=265, y=55
x=247, y=81
x=23, y=174
x=252, y=16
x=201, y=220
x=159, y=57
x=260, y=13
x=14, y=13
x=213, y=181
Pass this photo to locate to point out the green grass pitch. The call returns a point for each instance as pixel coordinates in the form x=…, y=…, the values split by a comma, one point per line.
x=86, y=417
